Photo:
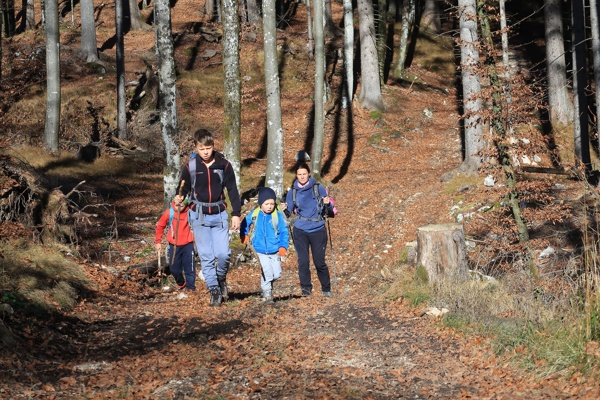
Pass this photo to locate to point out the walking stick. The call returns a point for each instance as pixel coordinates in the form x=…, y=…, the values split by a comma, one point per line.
x=177, y=225
x=159, y=265
x=332, y=256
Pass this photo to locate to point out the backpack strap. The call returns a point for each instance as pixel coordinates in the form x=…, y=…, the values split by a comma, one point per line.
x=318, y=199
x=274, y=222
x=192, y=195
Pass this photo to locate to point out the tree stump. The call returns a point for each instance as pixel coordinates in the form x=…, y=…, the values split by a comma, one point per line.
x=441, y=251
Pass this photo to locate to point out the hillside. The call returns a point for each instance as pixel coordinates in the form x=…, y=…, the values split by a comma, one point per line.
x=128, y=337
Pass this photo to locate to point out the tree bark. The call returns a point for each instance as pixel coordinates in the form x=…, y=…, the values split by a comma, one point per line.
x=370, y=88
x=431, y=17
x=560, y=106
x=582, y=139
x=167, y=97
x=89, y=44
x=120, y=60
x=471, y=87
x=232, y=106
x=53, y=100
x=441, y=251
x=274, y=172
x=408, y=20
x=349, y=50
x=316, y=153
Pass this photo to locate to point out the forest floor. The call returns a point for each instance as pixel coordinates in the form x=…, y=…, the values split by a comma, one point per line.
x=130, y=338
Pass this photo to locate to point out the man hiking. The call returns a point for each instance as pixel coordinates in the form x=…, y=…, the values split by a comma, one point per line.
x=205, y=177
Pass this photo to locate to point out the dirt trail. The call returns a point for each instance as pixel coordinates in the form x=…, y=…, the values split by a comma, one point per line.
x=135, y=341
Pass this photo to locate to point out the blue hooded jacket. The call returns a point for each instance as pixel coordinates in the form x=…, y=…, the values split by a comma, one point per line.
x=306, y=206
x=264, y=239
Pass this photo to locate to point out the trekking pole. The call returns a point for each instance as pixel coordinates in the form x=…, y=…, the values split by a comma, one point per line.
x=332, y=256
x=177, y=224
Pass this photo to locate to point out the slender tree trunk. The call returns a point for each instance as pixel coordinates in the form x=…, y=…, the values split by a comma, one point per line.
x=136, y=19
x=349, y=49
x=505, y=55
x=370, y=90
x=167, y=96
x=310, y=46
x=274, y=172
x=431, y=17
x=408, y=19
x=9, y=17
x=596, y=55
x=471, y=87
x=319, y=97
x=497, y=122
x=381, y=37
x=89, y=44
x=52, y=127
x=330, y=28
x=582, y=140
x=233, y=87
x=253, y=12
x=209, y=9
x=120, y=60
x=30, y=15
x=560, y=105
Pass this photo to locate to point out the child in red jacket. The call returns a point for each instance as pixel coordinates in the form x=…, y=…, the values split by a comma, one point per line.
x=181, y=244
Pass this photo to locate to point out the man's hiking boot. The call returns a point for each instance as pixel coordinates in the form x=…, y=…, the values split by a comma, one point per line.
x=306, y=292
x=215, y=296
x=267, y=297
x=223, y=286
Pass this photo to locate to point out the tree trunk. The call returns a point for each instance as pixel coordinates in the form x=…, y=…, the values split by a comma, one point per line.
x=330, y=28
x=89, y=44
x=252, y=12
x=232, y=106
x=9, y=17
x=29, y=15
x=505, y=55
x=136, y=19
x=209, y=10
x=120, y=60
x=53, y=101
x=381, y=37
x=310, y=46
x=596, y=57
x=167, y=97
x=349, y=50
x=431, y=17
x=274, y=172
x=582, y=139
x=471, y=87
x=497, y=122
x=370, y=88
x=560, y=106
x=441, y=251
x=316, y=153
x=408, y=20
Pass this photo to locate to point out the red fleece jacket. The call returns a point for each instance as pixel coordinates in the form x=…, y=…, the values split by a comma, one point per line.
x=185, y=234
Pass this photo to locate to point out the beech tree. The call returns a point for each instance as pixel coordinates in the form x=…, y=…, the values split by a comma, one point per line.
x=349, y=50
x=596, y=57
x=135, y=17
x=274, y=172
x=560, y=106
x=430, y=19
x=52, y=126
x=233, y=88
x=120, y=60
x=167, y=96
x=471, y=86
x=89, y=45
x=408, y=21
x=319, y=90
x=369, y=96
x=582, y=140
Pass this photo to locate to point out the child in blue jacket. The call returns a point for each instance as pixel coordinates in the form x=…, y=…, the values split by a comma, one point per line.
x=266, y=230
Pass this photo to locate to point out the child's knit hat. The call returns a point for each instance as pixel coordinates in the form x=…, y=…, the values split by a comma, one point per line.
x=265, y=194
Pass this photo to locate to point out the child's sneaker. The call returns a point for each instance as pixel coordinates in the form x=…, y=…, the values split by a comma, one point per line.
x=181, y=287
x=327, y=294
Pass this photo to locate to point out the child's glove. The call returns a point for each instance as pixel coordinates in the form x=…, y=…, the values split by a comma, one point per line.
x=245, y=240
x=282, y=252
